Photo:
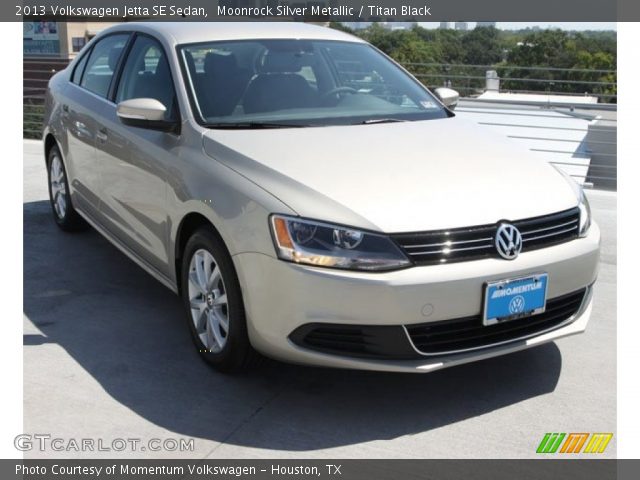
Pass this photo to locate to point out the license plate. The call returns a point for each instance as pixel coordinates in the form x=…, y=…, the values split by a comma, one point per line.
x=514, y=298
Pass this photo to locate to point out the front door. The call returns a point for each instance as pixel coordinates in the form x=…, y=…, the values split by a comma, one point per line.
x=134, y=161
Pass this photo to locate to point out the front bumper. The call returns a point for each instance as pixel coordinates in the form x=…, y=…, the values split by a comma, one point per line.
x=281, y=297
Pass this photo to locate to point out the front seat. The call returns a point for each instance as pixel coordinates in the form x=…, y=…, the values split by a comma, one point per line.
x=224, y=84
x=161, y=86
x=114, y=57
x=278, y=86
x=157, y=85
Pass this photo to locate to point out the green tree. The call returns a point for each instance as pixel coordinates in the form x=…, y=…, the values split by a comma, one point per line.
x=482, y=46
x=563, y=58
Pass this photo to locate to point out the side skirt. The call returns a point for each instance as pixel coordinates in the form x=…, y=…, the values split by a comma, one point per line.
x=167, y=282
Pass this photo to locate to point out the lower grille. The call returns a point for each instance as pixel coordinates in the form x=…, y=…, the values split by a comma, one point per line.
x=366, y=341
x=390, y=342
x=450, y=336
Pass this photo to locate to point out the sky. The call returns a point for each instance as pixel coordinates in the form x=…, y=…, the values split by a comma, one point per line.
x=561, y=25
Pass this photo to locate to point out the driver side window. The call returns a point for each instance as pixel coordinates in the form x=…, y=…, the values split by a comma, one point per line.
x=146, y=74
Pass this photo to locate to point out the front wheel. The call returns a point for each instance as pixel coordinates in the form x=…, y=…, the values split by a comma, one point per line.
x=213, y=302
x=64, y=214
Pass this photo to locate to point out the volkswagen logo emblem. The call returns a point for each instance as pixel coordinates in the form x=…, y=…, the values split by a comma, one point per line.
x=516, y=305
x=508, y=241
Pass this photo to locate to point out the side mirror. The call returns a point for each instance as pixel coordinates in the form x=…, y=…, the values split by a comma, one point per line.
x=145, y=113
x=447, y=96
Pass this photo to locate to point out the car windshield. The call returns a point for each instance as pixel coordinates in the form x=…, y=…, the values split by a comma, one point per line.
x=286, y=83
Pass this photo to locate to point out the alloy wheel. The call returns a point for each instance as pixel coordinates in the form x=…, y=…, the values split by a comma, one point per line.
x=58, y=183
x=208, y=301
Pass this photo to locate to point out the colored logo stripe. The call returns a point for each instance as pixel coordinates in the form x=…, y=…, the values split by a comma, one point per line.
x=598, y=442
x=574, y=442
x=550, y=443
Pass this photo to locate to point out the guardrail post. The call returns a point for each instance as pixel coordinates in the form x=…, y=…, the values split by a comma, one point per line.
x=492, y=81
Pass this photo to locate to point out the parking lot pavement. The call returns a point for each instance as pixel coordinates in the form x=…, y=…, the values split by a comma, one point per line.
x=107, y=356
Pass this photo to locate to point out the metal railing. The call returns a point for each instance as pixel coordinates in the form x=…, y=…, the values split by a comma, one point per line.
x=32, y=116
x=36, y=73
x=471, y=79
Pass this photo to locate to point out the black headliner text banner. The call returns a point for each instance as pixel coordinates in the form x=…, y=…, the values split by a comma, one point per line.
x=322, y=10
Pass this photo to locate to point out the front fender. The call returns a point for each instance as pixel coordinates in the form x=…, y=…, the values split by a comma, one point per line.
x=237, y=208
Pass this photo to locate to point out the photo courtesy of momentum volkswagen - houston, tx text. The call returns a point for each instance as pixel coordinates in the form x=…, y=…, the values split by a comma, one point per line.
x=312, y=201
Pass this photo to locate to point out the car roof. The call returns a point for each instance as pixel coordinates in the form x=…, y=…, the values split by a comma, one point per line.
x=194, y=32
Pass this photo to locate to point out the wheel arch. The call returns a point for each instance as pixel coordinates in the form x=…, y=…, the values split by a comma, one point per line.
x=50, y=141
x=191, y=222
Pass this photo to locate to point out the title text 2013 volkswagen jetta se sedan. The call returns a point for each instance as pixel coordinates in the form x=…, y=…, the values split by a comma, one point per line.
x=310, y=200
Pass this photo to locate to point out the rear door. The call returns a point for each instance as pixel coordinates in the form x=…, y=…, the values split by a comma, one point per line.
x=134, y=161
x=85, y=101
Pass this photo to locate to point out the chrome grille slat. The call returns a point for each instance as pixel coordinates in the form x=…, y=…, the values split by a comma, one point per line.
x=528, y=239
x=528, y=232
x=477, y=242
x=452, y=250
x=442, y=244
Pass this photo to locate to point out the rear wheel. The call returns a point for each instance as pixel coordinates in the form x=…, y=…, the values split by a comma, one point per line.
x=64, y=214
x=213, y=302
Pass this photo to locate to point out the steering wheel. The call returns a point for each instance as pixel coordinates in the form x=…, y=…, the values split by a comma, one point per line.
x=337, y=90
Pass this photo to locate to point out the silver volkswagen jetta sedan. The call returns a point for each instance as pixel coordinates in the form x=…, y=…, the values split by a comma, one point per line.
x=310, y=200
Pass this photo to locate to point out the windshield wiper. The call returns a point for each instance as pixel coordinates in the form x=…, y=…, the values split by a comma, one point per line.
x=253, y=125
x=382, y=120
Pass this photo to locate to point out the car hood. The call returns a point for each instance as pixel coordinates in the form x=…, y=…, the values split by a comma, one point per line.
x=396, y=177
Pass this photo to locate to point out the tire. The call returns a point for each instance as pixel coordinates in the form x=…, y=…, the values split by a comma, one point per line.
x=64, y=214
x=213, y=304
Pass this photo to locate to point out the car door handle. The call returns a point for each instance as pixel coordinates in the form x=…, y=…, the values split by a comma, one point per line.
x=102, y=135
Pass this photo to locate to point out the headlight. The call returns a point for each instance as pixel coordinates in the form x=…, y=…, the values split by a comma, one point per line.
x=324, y=245
x=585, y=214
x=583, y=203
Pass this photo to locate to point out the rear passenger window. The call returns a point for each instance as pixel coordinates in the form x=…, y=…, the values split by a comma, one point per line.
x=146, y=74
x=77, y=72
x=102, y=64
